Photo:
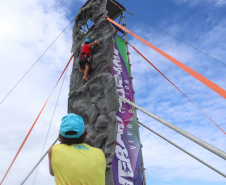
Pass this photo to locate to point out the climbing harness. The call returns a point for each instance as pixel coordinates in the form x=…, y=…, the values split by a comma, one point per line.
x=85, y=59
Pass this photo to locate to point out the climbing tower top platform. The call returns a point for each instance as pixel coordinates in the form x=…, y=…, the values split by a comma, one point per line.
x=114, y=8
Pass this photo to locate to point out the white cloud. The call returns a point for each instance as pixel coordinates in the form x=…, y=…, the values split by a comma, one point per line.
x=163, y=160
x=217, y=3
x=220, y=2
x=28, y=28
x=157, y=95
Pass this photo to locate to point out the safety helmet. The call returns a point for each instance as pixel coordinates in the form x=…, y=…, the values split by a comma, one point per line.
x=88, y=41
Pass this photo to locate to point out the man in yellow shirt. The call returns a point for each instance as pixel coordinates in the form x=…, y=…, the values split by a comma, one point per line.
x=73, y=162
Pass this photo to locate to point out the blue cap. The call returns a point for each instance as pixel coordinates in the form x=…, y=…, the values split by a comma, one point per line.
x=72, y=122
x=88, y=41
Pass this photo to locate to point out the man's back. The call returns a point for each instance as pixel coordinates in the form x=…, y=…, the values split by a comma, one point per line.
x=78, y=164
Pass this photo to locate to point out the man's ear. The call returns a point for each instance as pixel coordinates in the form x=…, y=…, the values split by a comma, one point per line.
x=59, y=137
x=86, y=133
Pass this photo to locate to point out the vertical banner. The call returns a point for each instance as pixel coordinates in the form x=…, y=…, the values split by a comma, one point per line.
x=127, y=163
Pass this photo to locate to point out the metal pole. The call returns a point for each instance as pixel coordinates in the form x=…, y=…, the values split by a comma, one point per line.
x=183, y=150
x=142, y=159
x=127, y=52
x=180, y=131
x=124, y=25
x=37, y=164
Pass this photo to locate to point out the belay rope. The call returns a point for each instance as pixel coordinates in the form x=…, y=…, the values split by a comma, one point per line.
x=73, y=93
x=34, y=123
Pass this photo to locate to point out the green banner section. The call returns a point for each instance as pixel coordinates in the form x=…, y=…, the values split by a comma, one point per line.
x=122, y=49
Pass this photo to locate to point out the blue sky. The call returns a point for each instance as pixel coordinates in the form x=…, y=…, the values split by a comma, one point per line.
x=28, y=27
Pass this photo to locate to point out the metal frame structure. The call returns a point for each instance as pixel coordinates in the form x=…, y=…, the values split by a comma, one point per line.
x=124, y=38
x=119, y=11
x=207, y=146
x=131, y=78
x=116, y=10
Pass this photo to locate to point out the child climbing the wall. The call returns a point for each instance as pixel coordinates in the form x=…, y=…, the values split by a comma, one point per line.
x=86, y=57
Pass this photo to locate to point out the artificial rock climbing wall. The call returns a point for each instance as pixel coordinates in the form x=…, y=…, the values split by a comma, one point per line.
x=96, y=101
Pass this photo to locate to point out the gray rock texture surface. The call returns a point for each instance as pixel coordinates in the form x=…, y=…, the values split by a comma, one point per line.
x=96, y=101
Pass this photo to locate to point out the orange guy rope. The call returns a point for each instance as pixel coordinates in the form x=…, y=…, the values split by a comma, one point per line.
x=177, y=88
x=34, y=123
x=198, y=76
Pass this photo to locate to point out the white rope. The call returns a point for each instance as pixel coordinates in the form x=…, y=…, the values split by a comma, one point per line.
x=200, y=142
x=37, y=164
x=201, y=161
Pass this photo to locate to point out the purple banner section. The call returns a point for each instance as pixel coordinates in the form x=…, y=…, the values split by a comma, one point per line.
x=119, y=29
x=126, y=169
x=123, y=84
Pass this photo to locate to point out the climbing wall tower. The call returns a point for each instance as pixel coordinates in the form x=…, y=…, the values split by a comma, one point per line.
x=111, y=124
